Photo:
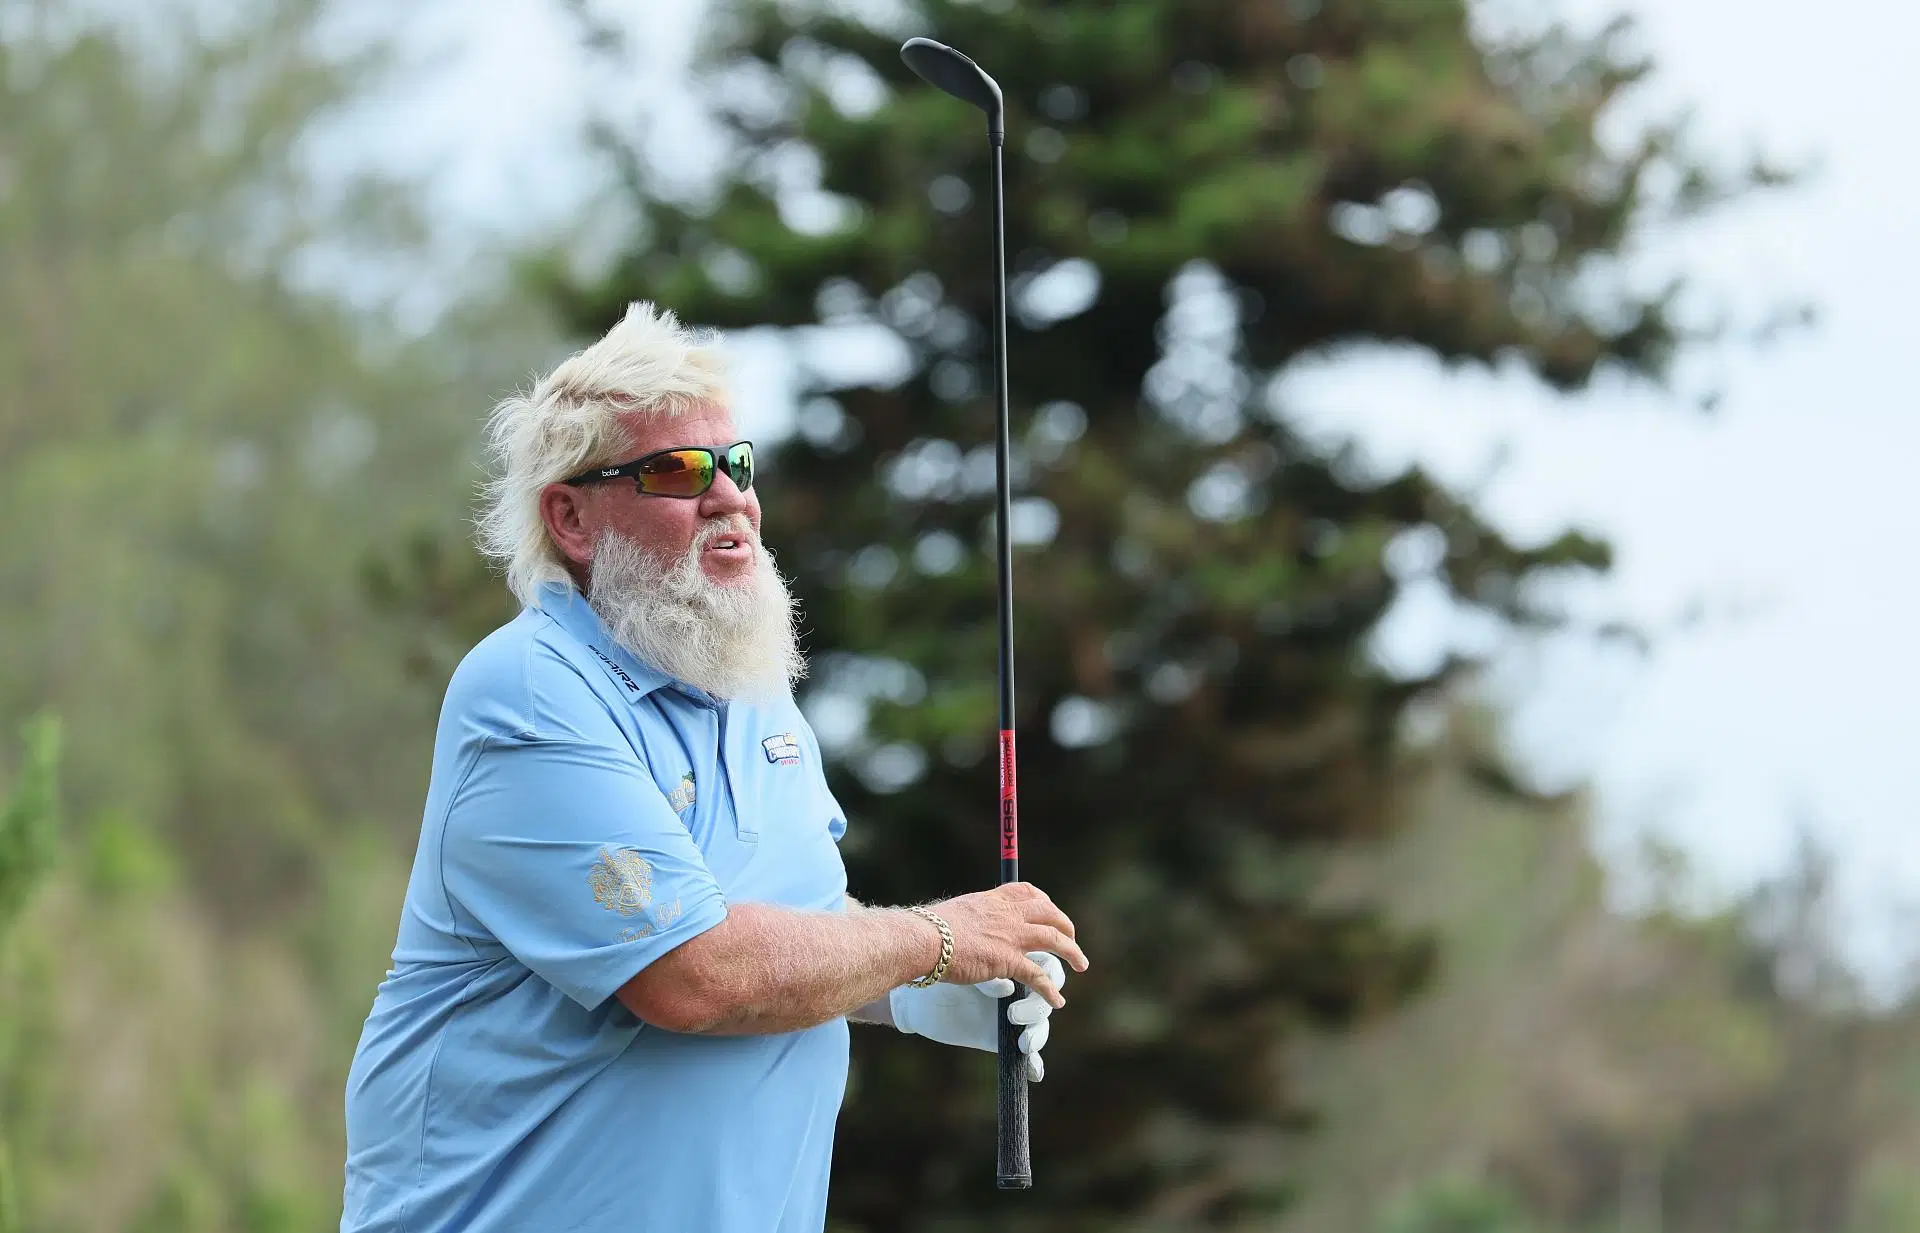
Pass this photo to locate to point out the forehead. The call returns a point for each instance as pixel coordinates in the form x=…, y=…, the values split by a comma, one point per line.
x=703, y=423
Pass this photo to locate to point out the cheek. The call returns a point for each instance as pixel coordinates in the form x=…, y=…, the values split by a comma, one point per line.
x=660, y=527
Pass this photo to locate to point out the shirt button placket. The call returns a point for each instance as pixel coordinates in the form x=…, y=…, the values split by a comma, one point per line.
x=743, y=826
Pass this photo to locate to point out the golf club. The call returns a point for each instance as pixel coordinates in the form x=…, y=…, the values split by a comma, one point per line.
x=951, y=71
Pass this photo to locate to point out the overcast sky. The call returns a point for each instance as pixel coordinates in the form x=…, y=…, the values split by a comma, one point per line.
x=1782, y=517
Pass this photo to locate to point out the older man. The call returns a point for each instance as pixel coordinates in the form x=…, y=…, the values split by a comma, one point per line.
x=626, y=958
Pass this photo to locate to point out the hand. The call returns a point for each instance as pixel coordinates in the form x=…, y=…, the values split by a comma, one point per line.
x=963, y=1015
x=996, y=931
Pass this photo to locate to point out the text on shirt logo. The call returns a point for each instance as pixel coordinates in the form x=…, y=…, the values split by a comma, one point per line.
x=618, y=671
x=666, y=914
x=782, y=749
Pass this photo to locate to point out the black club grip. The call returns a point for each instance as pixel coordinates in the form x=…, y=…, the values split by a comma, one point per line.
x=1016, y=1162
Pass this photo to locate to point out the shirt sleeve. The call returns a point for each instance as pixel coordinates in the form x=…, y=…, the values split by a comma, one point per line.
x=569, y=855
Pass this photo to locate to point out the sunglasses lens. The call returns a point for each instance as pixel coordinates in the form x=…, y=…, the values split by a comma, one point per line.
x=679, y=473
x=740, y=465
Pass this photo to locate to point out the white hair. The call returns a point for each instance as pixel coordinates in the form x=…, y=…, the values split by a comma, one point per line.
x=734, y=641
x=649, y=363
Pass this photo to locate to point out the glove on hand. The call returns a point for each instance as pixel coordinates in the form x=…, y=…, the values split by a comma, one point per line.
x=963, y=1015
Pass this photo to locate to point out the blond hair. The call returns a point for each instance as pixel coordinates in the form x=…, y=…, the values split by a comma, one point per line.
x=569, y=420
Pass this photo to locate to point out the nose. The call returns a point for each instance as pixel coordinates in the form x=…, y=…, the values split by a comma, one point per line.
x=725, y=499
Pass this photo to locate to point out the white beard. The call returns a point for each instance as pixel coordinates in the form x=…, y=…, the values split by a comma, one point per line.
x=732, y=641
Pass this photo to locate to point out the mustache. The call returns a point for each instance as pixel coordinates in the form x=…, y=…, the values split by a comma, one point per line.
x=727, y=526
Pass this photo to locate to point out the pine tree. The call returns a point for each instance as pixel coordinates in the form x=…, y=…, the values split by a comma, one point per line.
x=1199, y=192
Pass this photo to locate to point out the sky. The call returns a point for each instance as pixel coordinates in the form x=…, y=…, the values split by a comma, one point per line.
x=1767, y=545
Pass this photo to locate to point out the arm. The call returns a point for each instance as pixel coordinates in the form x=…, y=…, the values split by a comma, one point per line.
x=562, y=848
x=766, y=969
x=880, y=1010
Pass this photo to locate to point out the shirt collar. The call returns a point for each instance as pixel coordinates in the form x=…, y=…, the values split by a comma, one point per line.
x=570, y=611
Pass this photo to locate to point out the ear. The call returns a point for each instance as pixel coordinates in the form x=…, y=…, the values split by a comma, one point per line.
x=569, y=518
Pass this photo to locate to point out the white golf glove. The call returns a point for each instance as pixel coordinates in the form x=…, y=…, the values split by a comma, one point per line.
x=963, y=1014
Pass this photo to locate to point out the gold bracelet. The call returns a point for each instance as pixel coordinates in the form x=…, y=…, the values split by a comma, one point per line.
x=946, y=949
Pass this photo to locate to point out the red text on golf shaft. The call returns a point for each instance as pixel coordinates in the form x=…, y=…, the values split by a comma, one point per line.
x=1009, y=826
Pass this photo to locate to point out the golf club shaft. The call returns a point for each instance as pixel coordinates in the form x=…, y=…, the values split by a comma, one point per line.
x=1015, y=1170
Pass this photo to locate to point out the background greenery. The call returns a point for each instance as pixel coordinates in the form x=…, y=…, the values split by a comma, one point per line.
x=1353, y=974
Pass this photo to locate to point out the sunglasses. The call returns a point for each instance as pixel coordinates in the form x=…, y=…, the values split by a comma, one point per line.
x=684, y=472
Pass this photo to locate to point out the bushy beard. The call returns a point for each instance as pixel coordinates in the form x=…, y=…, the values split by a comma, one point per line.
x=734, y=641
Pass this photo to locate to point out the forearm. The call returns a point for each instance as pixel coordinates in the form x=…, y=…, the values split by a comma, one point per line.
x=767, y=969
x=880, y=1010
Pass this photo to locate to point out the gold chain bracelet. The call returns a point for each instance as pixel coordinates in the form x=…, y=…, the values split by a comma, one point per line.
x=946, y=949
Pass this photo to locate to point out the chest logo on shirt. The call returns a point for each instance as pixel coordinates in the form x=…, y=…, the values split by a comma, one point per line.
x=782, y=749
x=622, y=881
x=681, y=798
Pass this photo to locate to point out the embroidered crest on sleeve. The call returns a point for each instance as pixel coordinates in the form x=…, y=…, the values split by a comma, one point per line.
x=622, y=881
x=666, y=914
x=681, y=798
x=782, y=749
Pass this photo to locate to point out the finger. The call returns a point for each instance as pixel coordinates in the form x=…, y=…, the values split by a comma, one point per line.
x=1036, y=1069
x=1035, y=978
x=1044, y=912
x=1051, y=962
x=997, y=988
x=1034, y=1038
x=1030, y=1009
x=1055, y=942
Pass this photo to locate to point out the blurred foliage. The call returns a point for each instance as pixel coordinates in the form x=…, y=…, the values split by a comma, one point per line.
x=200, y=450
x=1580, y=1068
x=29, y=822
x=1458, y=1205
x=219, y=446
x=240, y=576
x=1199, y=192
x=29, y=840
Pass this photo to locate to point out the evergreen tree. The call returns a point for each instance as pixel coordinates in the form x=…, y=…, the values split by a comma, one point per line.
x=1198, y=193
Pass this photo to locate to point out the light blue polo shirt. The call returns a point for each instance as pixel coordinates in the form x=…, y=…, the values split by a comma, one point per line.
x=587, y=815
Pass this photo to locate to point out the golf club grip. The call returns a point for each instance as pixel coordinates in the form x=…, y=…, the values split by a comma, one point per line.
x=1015, y=1170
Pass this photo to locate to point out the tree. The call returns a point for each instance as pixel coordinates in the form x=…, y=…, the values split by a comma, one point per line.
x=1563, y=1042
x=1576, y=1066
x=224, y=443
x=201, y=451
x=1201, y=191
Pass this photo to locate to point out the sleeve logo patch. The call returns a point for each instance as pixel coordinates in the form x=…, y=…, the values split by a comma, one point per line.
x=622, y=881
x=782, y=749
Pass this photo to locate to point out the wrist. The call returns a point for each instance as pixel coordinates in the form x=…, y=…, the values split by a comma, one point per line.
x=918, y=945
x=938, y=971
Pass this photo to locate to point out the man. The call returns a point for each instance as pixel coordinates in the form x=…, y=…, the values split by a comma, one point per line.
x=626, y=959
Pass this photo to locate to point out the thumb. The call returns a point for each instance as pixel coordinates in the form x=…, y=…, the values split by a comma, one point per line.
x=997, y=988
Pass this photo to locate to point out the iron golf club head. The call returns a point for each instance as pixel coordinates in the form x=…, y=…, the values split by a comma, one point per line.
x=953, y=73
